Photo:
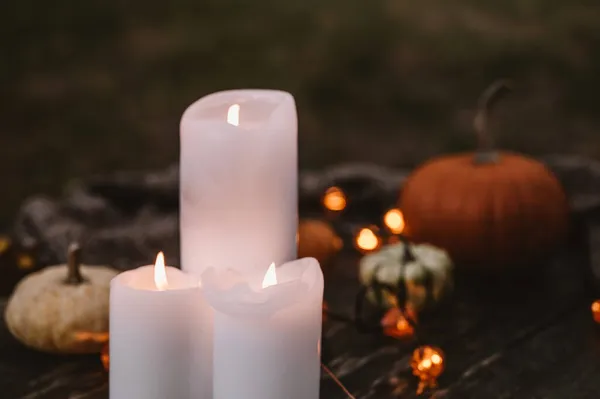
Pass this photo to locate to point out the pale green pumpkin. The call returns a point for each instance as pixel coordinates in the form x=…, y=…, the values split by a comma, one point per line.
x=425, y=271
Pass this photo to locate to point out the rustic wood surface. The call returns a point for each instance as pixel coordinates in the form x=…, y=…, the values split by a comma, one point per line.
x=528, y=339
x=524, y=337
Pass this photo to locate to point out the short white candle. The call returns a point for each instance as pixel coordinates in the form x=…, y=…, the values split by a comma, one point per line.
x=238, y=177
x=150, y=333
x=267, y=336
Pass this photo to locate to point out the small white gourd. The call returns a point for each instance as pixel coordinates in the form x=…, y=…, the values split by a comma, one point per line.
x=63, y=308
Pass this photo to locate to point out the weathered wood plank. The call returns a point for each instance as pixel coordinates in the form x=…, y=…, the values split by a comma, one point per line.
x=26, y=374
x=560, y=362
x=473, y=331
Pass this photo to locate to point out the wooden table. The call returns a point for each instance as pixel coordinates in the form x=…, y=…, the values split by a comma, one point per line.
x=503, y=338
x=527, y=339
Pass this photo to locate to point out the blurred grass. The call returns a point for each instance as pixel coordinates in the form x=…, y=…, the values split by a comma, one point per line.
x=96, y=86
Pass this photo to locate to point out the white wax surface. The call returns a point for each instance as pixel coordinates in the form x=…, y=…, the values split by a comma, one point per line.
x=266, y=341
x=201, y=329
x=239, y=200
x=151, y=336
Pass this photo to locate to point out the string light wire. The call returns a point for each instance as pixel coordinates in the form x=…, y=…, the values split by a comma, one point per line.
x=337, y=381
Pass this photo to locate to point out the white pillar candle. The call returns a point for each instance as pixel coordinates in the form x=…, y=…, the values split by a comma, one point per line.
x=238, y=171
x=267, y=331
x=150, y=333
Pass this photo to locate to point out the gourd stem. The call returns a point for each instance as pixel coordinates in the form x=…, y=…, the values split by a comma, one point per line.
x=74, y=276
x=407, y=255
x=486, y=147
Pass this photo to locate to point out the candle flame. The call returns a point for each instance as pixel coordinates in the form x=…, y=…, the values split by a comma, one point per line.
x=270, y=277
x=367, y=240
x=394, y=220
x=160, y=273
x=233, y=115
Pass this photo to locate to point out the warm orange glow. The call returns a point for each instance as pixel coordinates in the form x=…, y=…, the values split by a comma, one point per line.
x=160, y=273
x=424, y=365
x=270, y=277
x=25, y=261
x=334, y=199
x=367, y=240
x=90, y=336
x=4, y=244
x=393, y=239
x=596, y=311
x=395, y=325
x=233, y=115
x=105, y=357
x=394, y=220
x=427, y=364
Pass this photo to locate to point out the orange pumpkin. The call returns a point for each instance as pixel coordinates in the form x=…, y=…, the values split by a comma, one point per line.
x=487, y=207
x=317, y=239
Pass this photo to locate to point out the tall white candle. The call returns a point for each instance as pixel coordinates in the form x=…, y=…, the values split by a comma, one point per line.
x=267, y=331
x=238, y=171
x=151, y=341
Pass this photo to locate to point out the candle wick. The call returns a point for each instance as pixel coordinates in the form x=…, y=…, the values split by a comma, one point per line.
x=337, y=381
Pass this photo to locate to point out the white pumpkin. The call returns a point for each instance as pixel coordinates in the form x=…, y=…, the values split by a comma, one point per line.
x=63, y=308
x=425, y=270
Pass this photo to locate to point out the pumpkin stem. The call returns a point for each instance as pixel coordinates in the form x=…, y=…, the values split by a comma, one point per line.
x=74, y=276
x=407, y=255
x=488, y=100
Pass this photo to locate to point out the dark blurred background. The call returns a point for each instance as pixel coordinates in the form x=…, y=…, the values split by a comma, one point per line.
x=99, y=85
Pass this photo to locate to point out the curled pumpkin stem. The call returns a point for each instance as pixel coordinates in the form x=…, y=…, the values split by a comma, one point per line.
x=488, y=100
x=74, y=276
